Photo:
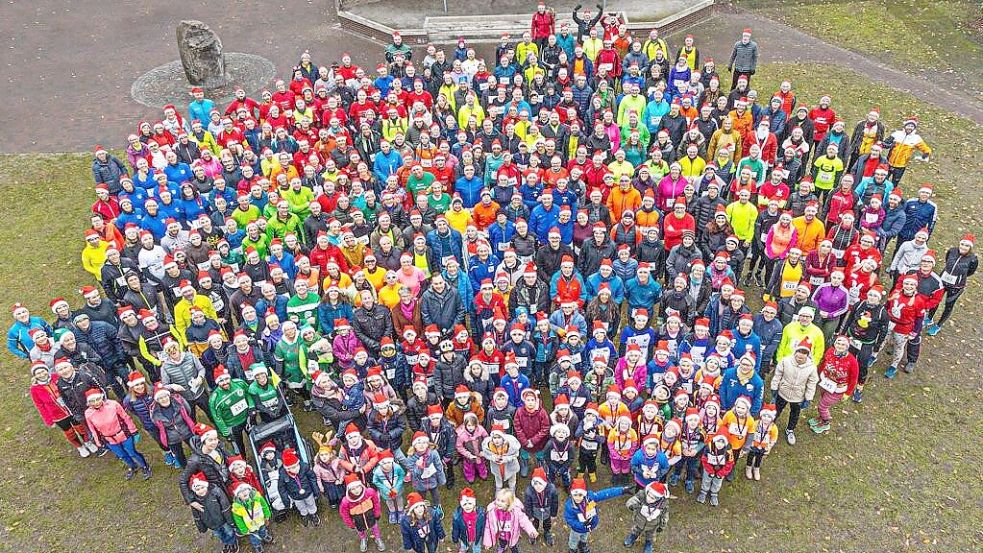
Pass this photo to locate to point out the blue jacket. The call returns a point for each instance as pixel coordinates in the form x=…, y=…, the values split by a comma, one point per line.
x=446, y=246
x=583, y=518
x=463, y=289
x=639, y=461
x=530, y=195
x=279, y=305
x=385, y=165
x=498, y=235
x=769, y=334
x=416, y=538
x=109, y=172
x=301, y=486
x=894, y=221
x=327, y=313
x=178, y=172
x=286, y=263
x=480, y=270
x=917, y=215
x=731, y=389
x=19, y=340
x=201, y=111
x=643, y=296
x=542, y=219
x=751, y=344
x=567, y=43
x=470, y=190
x=513, y=388
x=459, y=530
x=617, y=285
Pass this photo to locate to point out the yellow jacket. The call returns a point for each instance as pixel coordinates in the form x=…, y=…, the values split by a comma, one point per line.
x=522, y=51
x=93, y=258
x=459, y=220
x=622, y=168
x=182, y=312
x=742, y=218
x=692, y=167
x=467, y=111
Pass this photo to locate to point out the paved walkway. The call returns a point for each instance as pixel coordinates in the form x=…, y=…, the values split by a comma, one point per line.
x=779, y=42
x=69, y=66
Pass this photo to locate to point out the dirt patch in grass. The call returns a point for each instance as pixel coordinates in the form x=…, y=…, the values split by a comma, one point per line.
x=897, y=473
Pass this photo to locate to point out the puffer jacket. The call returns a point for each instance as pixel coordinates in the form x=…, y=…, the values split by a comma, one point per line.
x=795, y=382
x=182, y=373
x=448, y=374
x=216, y=472
x=532, y=427
x=217, y=510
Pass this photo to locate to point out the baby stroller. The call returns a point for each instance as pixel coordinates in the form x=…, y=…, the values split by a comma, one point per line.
x=277, y=435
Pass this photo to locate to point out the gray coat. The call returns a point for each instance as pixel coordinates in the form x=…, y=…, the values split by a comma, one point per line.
x=744, y=57
x=442, y=309
x=182, y=373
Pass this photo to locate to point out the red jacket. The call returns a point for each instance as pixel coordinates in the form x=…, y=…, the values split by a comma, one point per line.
x=320, y=258
x=532, y=427
x=905, y=311
x=543, y=25
x=47, y=399
x=823, y=120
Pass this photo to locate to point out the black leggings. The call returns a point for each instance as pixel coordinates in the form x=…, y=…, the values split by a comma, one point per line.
x=793, y=414
x=951, y=297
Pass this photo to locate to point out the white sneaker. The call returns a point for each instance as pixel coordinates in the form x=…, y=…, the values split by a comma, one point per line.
x=92, y=447
x=83, y=451
x=790, y=437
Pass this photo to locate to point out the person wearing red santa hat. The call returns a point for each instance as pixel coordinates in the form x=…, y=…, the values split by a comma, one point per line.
x=421, y=525
x=53, y=410
x=298, y=487
x=650, y=508
x=216, y=512
x=360, y=510
x=960, y=264
x=110, y=426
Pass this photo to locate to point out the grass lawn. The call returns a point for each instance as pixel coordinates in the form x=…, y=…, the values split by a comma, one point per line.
x=898, y=473
x=937, y=40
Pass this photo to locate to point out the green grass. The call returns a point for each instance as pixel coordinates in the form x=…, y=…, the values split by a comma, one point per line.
x=933, y=39
x=898, y=473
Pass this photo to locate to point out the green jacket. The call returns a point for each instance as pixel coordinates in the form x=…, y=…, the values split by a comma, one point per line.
x=252, y=515
x=230, y=407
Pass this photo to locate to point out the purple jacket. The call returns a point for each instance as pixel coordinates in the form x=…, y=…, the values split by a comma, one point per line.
x=832, y=302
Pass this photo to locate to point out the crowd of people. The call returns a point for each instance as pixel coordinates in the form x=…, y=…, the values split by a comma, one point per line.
x=514, y=271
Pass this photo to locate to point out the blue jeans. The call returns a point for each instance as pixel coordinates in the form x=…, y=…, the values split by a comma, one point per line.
x=127, y=452
x=575, y=539
x=225, y=534
x=256, y=538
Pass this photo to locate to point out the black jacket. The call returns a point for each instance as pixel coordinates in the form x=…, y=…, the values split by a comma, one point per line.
x=371, y=325
x=217, y=513
x=448, y=374
x=444, y=309
x=216, y=473
x=299, y=486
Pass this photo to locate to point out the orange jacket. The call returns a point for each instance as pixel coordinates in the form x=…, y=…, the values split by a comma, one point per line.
x=620, y=200
x=484, y=215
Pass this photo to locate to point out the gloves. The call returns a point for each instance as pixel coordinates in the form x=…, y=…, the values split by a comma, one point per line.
x=629, y=489
x=774, y=396
x=804, y=404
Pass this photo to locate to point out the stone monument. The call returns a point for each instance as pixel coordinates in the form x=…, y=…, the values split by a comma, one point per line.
x=201, y=54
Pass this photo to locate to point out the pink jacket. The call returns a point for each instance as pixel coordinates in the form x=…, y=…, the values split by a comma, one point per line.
x=344, y=349
x=639, y=375
x=495, y=519
x=358, y=507
x=476, y=439
x=109, y=423
x=331, y=474
x=47, y=399
x=667, y=190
